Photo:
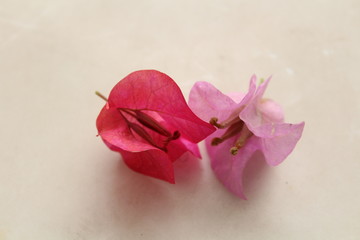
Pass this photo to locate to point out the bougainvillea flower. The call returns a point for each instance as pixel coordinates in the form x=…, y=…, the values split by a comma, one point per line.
x=147, y=120
x=246, y=123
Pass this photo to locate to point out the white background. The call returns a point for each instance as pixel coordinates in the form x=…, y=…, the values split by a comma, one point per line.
x=59, y=181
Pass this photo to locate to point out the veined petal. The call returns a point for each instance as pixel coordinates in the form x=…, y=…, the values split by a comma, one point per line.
x=246, y=99
x=262, y=87
x=270, y=111
x=227, y=167
x=116, y=134
x=207, y=102
x=282, y=142
x=155, y=91
x=236, y=97
x=259, y=112
x=154, y=163
x=178, y=147
x=251, y=92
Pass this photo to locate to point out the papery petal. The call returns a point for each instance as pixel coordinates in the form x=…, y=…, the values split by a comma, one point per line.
x=116, y=134
x=261, y=89
x=246, y=99
x=207, y=102
x=180, y=146
x=259, y=112
x=227, y=167
x=154, y=163
x=278, y=145
x=250, y=94
x=236, y=97
x=270, y=111
x=155, y=91
x=191, y=147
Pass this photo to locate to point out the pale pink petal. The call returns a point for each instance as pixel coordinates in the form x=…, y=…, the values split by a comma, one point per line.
x=270, y=111
x=251, y=92
x=227, y=167
x=280, y=144
x=207, y=102
x=153, y=163
x=259, y=112
x=155, y=91
x=237, y=97
x=246, y=99
x=261, y=89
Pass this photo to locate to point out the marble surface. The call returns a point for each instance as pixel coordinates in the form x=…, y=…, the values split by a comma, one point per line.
x=58, y=180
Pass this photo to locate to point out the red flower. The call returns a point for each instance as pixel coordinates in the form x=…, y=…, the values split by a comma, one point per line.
x=147, y=120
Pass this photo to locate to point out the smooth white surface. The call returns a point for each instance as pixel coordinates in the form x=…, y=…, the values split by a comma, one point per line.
x=59, y=181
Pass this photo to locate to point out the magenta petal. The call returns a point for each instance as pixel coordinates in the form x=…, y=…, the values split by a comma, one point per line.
x=282, y=143
x=227, y=167
x=116, y=134
x=147, y=120
x=207, y=102
x=180, y=146
x=155, y=91
x=154, y=163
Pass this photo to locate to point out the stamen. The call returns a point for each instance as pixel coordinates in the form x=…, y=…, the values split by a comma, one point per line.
x=101, y=96
x=234, y=129
x=234, y=150
x=244, y=135
x=234, y=118
x=214, y=121
x=142, y=133
x=145, y=135
x=216, y=141
x=148, y=121
x=175, y=135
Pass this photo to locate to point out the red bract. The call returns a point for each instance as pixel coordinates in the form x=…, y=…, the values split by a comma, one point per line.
x=148, y=121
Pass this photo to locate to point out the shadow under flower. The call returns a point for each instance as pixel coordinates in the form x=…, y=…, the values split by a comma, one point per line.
x=140, y=198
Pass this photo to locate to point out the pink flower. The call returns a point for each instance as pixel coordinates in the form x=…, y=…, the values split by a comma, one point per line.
x=246, y=123
x=147, y=120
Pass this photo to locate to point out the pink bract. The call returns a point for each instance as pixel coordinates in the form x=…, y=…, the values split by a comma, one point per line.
x=247, y=123
x=148, y=121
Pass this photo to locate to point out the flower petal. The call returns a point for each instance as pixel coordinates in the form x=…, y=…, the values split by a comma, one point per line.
x=282, y=142
x=227, y=167
x=207, y=102
x=250, y=94
x=180, y=146
x=271, y=111
x=262, y=87
x=155, y=91
x=154, y=163
x=236, y=97
x=260, y=112
x=116, y=134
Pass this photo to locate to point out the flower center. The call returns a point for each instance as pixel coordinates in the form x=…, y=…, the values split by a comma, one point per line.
x=145, y=120
x=234, y=126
